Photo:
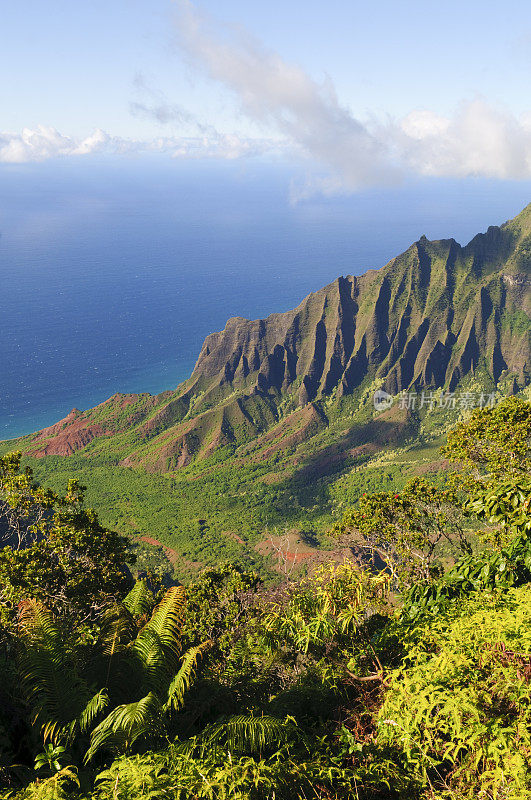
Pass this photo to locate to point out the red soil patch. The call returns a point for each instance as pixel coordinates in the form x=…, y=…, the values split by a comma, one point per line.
x=128, y=400
x=433, y=466
x=289, y=552
x=172, y=555
x=67, y=436
x=297, y=558
x=232, y=535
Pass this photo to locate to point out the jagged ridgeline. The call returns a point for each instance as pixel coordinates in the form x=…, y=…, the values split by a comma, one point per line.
x=432, y=317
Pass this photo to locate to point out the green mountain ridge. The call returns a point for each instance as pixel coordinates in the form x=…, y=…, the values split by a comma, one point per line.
x=431, y=318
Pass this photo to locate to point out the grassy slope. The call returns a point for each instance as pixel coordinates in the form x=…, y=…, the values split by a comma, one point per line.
x=249, y=493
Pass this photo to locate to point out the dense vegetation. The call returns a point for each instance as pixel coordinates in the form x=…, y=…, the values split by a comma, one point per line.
x=304, y=489
x=409, y=681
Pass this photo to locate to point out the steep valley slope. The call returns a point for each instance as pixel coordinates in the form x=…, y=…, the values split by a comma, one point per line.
x=276, y=429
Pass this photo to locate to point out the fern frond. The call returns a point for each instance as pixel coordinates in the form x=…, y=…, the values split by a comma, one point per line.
x=243, y=733
x=158, y=644
x=152, y=665
x=109, y=665
x=117, y=628
x=126, y=724
x=56, y=694
x=94, y=707
x=140, y=599
x=183, y=680
x=109, y=661
x=166, y=619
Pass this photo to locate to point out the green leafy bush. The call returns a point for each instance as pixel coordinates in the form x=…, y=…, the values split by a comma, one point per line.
x=460, y=707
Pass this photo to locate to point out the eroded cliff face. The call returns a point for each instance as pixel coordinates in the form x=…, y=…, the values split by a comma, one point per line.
x=431, y=317
x=427, y=319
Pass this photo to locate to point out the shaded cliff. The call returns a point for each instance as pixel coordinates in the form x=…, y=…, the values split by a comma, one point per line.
x=432, y=317
x=428, y=318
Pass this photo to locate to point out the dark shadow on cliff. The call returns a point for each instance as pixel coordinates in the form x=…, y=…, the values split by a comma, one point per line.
x=315, y=471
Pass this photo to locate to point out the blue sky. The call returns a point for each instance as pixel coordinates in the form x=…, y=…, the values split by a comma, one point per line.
x=365, y=92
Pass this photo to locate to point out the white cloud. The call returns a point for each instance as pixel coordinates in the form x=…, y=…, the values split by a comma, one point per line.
x=32, y=145
x=45, y=142
x=418, y=125
x=276, y=93
x=303, y=117
x=478, y=139
x=96, y=142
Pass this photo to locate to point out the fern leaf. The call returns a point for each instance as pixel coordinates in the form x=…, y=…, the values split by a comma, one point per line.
x=126, y=724
x=158, y=644
x=56, y=694
x=243, y=733
x=166, y=620
x=94, y=707
x=183, y=680
x=140, y=599
x=117, y=629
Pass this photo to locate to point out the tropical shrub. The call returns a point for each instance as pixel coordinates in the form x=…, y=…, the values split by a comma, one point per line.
x=110, y=693
x=494, y=441
x=327, y=611
x=459, y=708
x=405, y=529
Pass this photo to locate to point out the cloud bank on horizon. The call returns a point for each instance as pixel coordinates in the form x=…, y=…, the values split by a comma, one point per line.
x=303, y=118
x=45, y=142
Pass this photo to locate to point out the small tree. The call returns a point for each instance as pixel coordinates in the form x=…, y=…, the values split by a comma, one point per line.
x=406, y=528
x=55, y=550
x=325, y=612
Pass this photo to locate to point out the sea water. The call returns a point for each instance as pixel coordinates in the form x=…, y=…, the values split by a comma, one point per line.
x=112, y=271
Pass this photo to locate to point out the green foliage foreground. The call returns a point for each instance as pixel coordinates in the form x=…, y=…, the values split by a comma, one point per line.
x=409, y=682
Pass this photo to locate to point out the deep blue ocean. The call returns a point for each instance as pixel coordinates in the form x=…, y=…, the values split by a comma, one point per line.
x=113, y=271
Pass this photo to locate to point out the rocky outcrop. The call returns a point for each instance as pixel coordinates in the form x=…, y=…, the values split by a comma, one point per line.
x=80, y=428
